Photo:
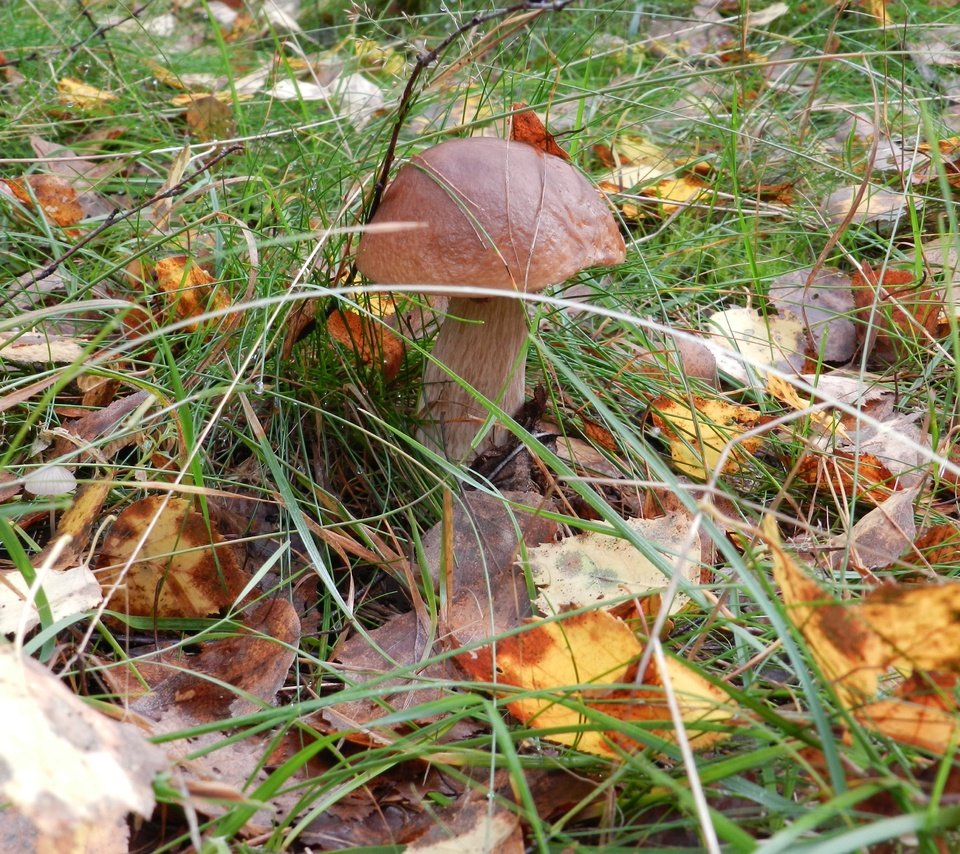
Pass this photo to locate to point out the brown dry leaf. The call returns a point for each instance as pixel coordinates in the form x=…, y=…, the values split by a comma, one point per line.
x=488, y=591
x=210, y=118
x=254, y=663
x=372, y=341
x=183, y=568
x=105, y=424
x=76, y=93
x=878, y=539
x=592, y=567
x=895, y=312
x=526, y=127
x=937, y=546
x=578, y=658
x=399, y=643
x=698, y=437
x=193, y=289
x=477, y=825
x=70, y=773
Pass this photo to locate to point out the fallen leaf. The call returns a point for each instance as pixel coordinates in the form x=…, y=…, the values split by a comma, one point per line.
x=76, y=93
x=525, y=126
x=575, y=662
x=846, y=473
x=776, y=341
x=193, y=290
x=72, y=773
x=210, y=119
x=913, y=628
x=56, y=197
x=878, y=539
x=592, y=567
x=183, y=569
x=698, y=436
x=230, y=677
x=399, y=644
x=876, y=205
x=896, y=314
x=25, y=348
x=824, y=307
x=369, y=338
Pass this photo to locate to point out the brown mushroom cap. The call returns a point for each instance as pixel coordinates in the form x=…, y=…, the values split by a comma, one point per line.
x=496, y=214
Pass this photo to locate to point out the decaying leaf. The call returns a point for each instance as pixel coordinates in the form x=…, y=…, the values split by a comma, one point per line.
x=192, y=289
x=847, y=473
x=183, y=569
x=591, y=567
x=699, y=436
x=72, y=774
x=573, y=664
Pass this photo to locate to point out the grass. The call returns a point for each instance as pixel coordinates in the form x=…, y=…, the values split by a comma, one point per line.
x=324, y=440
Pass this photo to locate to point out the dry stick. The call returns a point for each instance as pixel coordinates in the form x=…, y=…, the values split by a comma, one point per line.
x=115, y=217
x=72, y=49
x=424, y=61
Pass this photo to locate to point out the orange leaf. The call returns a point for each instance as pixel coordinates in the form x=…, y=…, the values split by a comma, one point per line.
x=526, y=127
x=371, y=341
x=194, y=290
x=57, y=198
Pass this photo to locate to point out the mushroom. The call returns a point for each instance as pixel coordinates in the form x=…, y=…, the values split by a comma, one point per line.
x=497, y=214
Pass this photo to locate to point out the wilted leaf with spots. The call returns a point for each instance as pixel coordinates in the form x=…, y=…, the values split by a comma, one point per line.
x=582, y=665
x=182, y=569
x=55, y=196
x=699, y=436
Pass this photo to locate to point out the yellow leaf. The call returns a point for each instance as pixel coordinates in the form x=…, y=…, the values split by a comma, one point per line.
x=575, y=663
x=76, y=93
x=698, y=437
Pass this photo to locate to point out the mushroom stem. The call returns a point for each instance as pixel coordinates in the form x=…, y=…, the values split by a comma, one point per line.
x=482, y=342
